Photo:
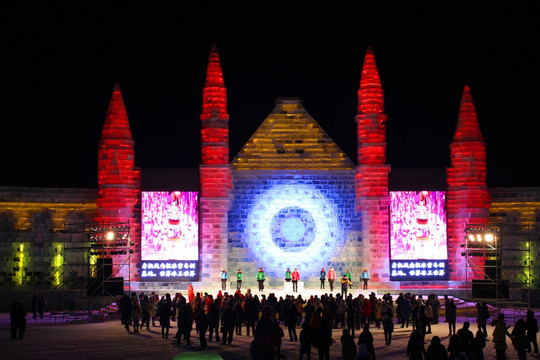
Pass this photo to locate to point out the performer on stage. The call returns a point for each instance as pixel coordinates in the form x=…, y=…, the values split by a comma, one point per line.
x=345, y=284
x=260, y=279
x=288, y=275
x=365, y=277
x=239, y=277
x=331, y=278
x=349, y=277
x=295, y=277
x=223, y=277
x=323, y=277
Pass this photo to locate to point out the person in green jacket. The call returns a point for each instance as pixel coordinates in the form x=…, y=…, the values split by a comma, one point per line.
x=288, y=275
x=260, y=279
x=239, y=277
x=349, y=277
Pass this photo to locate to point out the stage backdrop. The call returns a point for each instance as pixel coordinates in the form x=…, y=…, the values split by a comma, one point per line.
x=418, y=238
x=170, y=236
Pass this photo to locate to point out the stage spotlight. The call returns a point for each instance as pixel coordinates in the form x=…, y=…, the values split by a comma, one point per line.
x=110, y=235
x=489, y=237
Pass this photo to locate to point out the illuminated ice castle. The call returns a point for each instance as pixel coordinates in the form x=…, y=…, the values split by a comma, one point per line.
x=290, y=198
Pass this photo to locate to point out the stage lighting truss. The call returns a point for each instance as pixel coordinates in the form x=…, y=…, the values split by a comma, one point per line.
x=108, y=240
x=481, y=241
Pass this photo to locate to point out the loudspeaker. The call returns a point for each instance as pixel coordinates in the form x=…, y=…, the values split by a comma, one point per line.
x=98, y=287
x=488, y=290
x=491, y=267
x=104, y=268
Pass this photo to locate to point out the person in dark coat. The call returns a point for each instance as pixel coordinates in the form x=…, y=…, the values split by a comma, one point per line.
x=532, y=330
x=305, y=340
x=436, y=350
x=202, y=326
x=388, y=324
x=165, y=312
x=467, y=338
x=324, y=338
x=239, y=317
x=366, y=337
x=482, y=316
x=18, y=320
x=348, y=347
x=228, y=319
x=519, y=339
x=185, y=321
x=291, y=314
x=478, y=345
x=214, y=314
x=125, y=310
x=415, y=346
x=451, y=315
x=454, y=347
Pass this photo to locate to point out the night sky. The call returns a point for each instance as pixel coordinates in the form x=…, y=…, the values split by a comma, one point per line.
x=61, y=62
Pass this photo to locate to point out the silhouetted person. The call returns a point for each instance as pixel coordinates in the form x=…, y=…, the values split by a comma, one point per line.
x=532, y=330
x=228, y=319
x=451, y=315
x=324, y=338
x=305, y=340
x=478, y=345
x=388, y=324
x=366, y=337
x=185, y=321
x=214, y=316
x=467, y=338
x=18, y=320
x=436, y=350
x=348, y=347
x=202, y=326
x=291, y=317
x=499, y=337
x=165, y=312
x=482, y=316
x=415, y=346
x=519, y=339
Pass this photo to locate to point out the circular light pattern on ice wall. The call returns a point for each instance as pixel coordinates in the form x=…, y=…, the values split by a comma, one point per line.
x=292, y=226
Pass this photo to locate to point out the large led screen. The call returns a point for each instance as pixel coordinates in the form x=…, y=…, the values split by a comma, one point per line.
x=418, y=238
x=169, y=235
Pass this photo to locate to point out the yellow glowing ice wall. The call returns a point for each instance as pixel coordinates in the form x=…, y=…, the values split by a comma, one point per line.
x=57, y=262
x=21, y=262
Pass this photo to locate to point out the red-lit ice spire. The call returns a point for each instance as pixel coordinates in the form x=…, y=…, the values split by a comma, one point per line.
x=372, y=172
x=467, y=127
x=467, y=197
x=214, y=117
x=116, y=121
x=215, y=172
x=371, y=120
x=118, y=178
x=370, y=94
x=467, y=150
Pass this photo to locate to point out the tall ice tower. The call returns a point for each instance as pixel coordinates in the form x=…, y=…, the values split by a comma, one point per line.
x=468, y=200
x=372, y=171
x=118, y=179
x=215, y=173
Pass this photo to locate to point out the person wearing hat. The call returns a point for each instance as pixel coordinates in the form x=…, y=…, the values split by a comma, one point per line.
x=323, y=277
x=365, y=278
x=331, y=278
x=223, y=277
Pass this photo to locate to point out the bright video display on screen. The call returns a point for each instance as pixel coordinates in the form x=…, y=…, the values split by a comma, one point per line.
x=169, y=235
x=418, y=237
x=170, y=225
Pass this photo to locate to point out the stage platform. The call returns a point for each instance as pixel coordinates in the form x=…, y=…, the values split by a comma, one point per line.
x=163, y=288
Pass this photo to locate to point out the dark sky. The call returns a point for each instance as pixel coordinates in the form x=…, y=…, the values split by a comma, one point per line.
x=61, y=61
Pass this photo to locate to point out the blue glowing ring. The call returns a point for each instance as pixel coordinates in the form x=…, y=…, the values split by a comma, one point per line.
x=260, y=240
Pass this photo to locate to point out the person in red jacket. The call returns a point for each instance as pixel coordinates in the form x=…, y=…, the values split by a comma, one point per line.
x=331, y=278
x=295, y=277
